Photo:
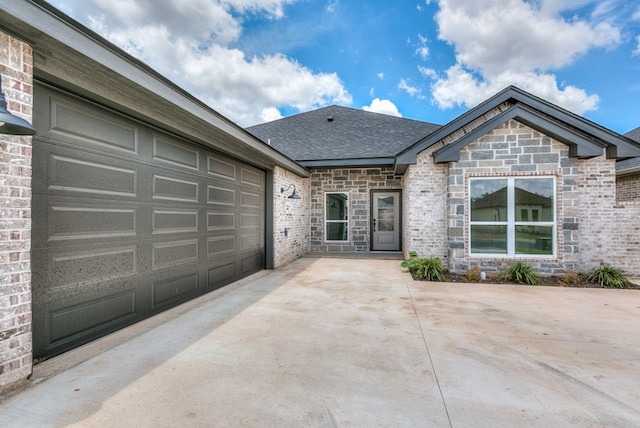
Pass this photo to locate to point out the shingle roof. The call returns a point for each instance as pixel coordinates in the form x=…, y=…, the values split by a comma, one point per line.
x=633, y=164
x=342, y=133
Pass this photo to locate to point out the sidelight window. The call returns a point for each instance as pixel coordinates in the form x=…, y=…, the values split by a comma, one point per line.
x=336, y=217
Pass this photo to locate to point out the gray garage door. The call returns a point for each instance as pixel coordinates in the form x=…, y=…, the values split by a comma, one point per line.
x=129, y=221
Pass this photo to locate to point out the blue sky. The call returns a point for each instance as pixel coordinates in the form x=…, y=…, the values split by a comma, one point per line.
x=431, y=60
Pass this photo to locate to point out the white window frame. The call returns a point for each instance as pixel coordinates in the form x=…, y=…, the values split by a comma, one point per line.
x=327, y=221
x=511, y=222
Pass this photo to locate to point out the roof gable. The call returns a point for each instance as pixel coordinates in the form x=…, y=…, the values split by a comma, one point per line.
x=585, y=138
x=579, y=144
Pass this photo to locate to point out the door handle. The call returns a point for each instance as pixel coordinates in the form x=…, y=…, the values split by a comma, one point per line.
x=374, y=224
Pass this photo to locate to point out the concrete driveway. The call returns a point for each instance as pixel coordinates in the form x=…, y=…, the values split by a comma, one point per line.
x=355, y=343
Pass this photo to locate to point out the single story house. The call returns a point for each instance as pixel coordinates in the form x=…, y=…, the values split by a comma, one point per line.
x=133, y=196
x=515, y=178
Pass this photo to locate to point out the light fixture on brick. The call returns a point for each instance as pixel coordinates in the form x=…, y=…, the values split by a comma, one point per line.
x=10, y=124
x=294, y=195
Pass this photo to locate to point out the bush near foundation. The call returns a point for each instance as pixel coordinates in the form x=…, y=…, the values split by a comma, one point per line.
x=608, y=276
x=521, y=273
x=430, y=269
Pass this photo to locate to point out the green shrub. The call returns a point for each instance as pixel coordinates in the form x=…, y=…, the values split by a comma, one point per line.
x=607, y=276
x=521, y=273
x=430, y=269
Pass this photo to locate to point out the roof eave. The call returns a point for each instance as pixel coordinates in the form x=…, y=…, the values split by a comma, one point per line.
x=353, y=162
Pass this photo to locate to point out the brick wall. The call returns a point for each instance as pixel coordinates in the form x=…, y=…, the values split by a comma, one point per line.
x=609, y=231
x=16, y=67
x=291, y=215
x=425, y=194
x=628, y=188
x=357, y=182
x=624, y=240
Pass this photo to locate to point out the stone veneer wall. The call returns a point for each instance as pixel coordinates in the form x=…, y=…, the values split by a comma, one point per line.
x=291, y=215
x=628, y=188
x=16, y=67
x=514, y=149
x=357, y=182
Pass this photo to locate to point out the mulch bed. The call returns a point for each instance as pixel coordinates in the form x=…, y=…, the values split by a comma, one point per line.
x=578, y=281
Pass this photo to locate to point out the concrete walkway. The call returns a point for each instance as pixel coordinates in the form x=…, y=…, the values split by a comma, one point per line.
x=355, y=343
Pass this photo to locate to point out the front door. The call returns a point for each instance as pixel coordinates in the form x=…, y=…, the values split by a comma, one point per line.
x=385, y=221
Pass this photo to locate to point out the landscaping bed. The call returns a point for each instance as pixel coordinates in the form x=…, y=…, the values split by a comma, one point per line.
x=551, y=281
x=604, y=276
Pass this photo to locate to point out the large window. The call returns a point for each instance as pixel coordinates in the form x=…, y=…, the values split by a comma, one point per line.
x=512, y=216
x=336, y=216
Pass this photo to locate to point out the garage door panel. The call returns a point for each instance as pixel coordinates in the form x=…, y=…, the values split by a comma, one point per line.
x=220, y=246
x=72, y=121
x=76, y=222
x=85, y=265
x=171, y=151
x=70, y=322
x=251, y=263
x=221, y=196
x=250, y=242
x=251, y=200
x=93, y=178
x=175, y=189
x=251, y=177
x=219, y=220
x=223, y=274
x=175, y=253
x=170, y=292
x=69, y=221
x=131, y=223
x=174, y=220
x=221, y=168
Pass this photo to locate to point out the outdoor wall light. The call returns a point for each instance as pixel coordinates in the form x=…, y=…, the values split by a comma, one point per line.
x=294, y=195
x=10, y=124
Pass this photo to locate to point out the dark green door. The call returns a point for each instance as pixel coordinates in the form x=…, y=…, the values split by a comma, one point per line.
x=129, y=221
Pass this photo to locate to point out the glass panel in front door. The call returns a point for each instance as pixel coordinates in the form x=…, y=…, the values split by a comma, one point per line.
x=386, y=220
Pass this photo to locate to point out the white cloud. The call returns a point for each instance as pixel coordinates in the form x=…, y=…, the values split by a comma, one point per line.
x=427, y=72
x=382, y=106
x=503, y=42
x=380, y=75
x=189, y=42
x=495, y=35
x=331, y=6
x=636, y=51
x=422, y=50
x=411, y=90
x=459, y=87
x=269, y=114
